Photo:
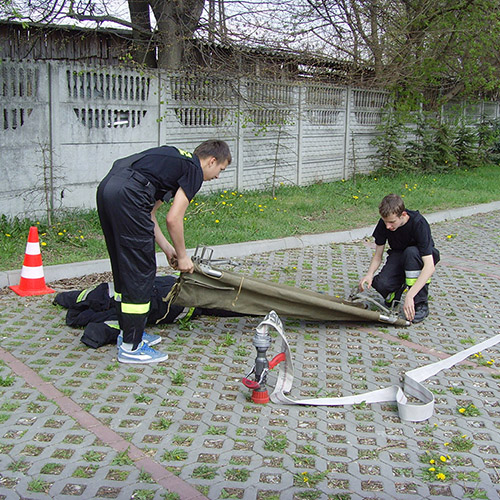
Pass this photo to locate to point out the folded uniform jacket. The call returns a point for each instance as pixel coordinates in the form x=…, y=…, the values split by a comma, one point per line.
x=96, y=335
x=96, y=304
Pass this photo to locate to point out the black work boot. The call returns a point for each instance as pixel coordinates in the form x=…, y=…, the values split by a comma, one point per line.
x=421, y=312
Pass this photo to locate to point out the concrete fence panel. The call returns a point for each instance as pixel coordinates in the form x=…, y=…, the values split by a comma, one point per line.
x=64, y=123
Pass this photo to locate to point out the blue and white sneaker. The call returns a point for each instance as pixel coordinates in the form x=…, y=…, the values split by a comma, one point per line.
x=143, y=354
x=147, y=338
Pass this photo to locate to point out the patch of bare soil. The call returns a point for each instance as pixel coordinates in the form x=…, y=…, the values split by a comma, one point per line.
x=81, y=282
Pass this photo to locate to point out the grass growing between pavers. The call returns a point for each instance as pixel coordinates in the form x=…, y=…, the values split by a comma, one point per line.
x=337, y=453
x=233, y=217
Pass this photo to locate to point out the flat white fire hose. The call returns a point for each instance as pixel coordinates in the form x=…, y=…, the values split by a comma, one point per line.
x=412, y=386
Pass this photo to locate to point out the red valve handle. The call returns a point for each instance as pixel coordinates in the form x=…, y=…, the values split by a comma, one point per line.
x=277, y=359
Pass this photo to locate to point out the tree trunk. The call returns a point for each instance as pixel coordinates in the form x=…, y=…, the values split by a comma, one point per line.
x=177, y=21
x=144, y=49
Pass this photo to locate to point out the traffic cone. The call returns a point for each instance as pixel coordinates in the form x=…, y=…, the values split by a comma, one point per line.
x=32, y=280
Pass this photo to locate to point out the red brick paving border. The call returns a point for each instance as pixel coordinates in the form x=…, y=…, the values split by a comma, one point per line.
x=162, y=476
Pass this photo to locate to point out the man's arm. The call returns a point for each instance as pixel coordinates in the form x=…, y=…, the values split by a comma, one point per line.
x=175, y=226
x=426, y=272
x=374, y=265
x=163, y=243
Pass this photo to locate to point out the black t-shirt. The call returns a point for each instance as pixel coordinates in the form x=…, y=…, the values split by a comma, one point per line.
x=169, y=168
x=416, y=232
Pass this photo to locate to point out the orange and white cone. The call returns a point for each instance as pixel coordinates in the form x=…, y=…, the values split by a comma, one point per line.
x=32, y=280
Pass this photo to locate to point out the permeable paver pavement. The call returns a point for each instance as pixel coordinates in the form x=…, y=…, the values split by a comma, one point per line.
x=76, y=424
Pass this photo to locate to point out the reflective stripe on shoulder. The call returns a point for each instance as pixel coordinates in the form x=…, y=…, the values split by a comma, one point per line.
x=112, y=324
x=84, y=293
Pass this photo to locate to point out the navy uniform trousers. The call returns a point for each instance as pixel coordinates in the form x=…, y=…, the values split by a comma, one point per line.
x=402, y=269
x=125, y=199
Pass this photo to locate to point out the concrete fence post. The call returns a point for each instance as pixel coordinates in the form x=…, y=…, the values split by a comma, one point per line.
x=347, y=133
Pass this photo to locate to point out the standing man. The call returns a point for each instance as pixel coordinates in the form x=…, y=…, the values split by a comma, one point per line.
x=410, y=261
x=127, y=201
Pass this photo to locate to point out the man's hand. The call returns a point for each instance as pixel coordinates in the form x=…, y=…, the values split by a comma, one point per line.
x=171, y=256
x=409, y=307
x=173, y=261
x=365, y=282
x=185, y=265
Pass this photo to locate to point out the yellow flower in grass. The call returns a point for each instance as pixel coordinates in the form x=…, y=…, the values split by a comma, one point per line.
x=432, y=461
x=442, y=458
x=440, y=476
x=431, y=469
x=461, y=410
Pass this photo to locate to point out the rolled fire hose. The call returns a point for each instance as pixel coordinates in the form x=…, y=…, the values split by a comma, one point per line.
x=412, y=387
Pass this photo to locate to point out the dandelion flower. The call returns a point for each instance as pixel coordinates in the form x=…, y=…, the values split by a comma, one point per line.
x=441, y=476
x=442, y=458
x=432, y=461
x=8, y=235
x=217, y=221
x=461, y=410
x=355, y=197
x=431, y=469
x=43, y=244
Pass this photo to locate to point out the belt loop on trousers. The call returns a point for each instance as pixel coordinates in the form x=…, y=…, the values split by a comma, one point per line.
x=140, y=178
